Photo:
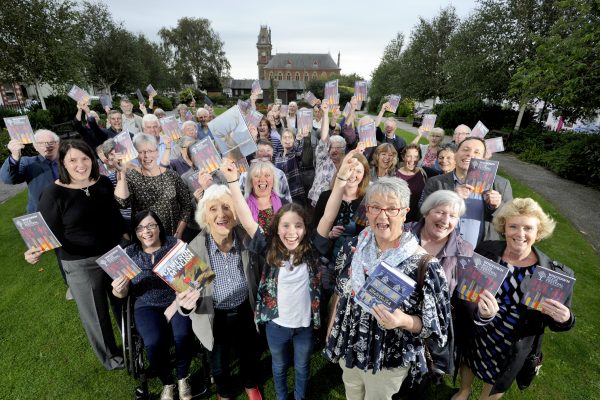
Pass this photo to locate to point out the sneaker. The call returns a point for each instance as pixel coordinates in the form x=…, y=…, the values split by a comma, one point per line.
x=167, y=392
x=254, y=393
x=68, y=295
x=184, y=389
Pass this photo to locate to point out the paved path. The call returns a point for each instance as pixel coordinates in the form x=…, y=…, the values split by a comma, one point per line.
x=8, y=191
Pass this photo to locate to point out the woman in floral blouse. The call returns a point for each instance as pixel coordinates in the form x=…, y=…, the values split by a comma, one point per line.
x=376, y=348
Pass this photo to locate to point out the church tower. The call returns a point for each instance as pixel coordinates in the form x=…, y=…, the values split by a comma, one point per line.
x=264, y=50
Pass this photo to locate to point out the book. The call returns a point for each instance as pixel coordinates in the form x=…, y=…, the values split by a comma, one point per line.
x=474, y=274
x=304, y=121
x=347, y=109
x=479, y=130
x=360, y=92
x=311, y=99
x=331, y=95
x=150, y=90
x=79, y=95
x=191, y=180
x=386, y=285
x=244, y=105
x=35, y=232
x=170, y=127
x=19, y=128
x=205, y=156
x=546, y=284
x=253, y=118
x=366, y=134
x=106, y=100
x=207, y=101
x=394, y=101
x=124, y=146
x=188, y=115
x=230, y=133
x=103, y=168
x=181, y=269
x=283, y=110
x=494, y=145
x=242, y=165
x=256, y=87
x=481, y=175
x=140, y=96
x=428, y=122
x=117, y=263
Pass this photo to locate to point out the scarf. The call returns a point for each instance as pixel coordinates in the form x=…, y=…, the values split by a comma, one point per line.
x=253, y=204
x=365, y=257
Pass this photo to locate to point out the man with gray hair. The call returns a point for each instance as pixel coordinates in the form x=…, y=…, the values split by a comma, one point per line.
x=132, y=123
x=203, y=117
x=461, y=132
x=151, y=126
x=388, y=135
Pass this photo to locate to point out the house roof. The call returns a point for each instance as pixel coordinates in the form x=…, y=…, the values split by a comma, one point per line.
x=301, y=61
x=246, y=84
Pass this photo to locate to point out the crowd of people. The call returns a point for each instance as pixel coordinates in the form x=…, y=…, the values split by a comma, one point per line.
x=291, y=241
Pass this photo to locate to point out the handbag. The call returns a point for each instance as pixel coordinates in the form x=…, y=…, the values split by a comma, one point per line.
x=531, y=366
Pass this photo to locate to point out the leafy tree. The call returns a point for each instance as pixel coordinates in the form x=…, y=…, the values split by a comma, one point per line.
x=384, y=79
x=194, y=49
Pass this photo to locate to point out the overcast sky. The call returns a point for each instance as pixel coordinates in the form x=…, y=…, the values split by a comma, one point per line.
x=359, y=33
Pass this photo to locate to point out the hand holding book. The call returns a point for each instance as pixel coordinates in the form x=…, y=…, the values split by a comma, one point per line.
x=487, y=305
x=188, y=298
x=397, y=319
x=556, y=310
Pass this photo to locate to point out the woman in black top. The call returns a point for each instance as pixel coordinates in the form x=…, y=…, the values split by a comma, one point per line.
x=81, y=211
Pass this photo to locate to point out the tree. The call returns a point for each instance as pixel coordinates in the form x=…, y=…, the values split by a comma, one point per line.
x=39, y=42
x=384, y=79
x=195, y=49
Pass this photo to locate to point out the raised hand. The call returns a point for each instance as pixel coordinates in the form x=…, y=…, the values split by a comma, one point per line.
x=15, y=146
x=229, y=170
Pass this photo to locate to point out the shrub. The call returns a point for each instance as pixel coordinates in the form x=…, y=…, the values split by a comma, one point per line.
x=494, y=116
x=6, y=112
x=40, y=119
x=163, y=102
x=61, y=107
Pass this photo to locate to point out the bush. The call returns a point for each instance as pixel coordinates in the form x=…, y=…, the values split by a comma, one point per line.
x=40, y=119
x=450, y=115
x=6, y=112
x=163, y=102
x=61, y=107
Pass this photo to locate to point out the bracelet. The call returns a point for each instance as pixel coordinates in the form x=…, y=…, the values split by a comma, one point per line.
x=341, y=179
x=233, y=181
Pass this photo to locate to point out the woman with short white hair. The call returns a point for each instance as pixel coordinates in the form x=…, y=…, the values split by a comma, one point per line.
x=262, y=193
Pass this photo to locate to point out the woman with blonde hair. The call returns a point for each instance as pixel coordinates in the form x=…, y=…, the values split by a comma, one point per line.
x=383, y=162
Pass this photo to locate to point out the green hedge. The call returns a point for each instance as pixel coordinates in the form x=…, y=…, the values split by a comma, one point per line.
x=450, y=115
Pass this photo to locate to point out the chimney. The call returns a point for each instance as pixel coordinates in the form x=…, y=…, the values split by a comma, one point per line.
x=338, y=63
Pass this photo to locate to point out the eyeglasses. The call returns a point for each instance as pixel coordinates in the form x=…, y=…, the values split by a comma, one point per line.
x=47, y=144
x=144, y=152
x=390, y=212
x=142, y=228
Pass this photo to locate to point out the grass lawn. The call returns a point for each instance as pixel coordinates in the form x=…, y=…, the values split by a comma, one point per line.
x=45, y=354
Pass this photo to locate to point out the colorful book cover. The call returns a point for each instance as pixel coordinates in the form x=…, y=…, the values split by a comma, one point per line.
x=244, y=105
x=394, y=101
x=474, y=274
x=253, y=118
x=494, y=145
x=188, y=116
x=366, y=134
x=106, y=101
x=481, y=175
x=360, y=91
x=103, y=169
x=181, y=269
x=347, y=109
x=170, y=127
x=207, y=101
x=117, y=263
x=79, y=95
x=546, y=284
x=204, y=155
x=150, y=90
x=35, y=232
x=331, y=95
x=256, y=87
x=283, y=110
x=124, y=146
x=242, y=165
x=191, y=180
x=386, y=285
x=140, y=96
x=311, y=99
x=479, y=130
x=231, y=133
x=304, y=121
x=19, y=128
x=428, y=122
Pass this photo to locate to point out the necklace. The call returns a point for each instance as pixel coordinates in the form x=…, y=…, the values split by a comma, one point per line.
x=86, y=190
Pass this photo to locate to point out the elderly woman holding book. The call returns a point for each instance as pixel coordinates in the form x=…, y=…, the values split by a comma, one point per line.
x=154, y=306
x=378, y=348
x=502, y=336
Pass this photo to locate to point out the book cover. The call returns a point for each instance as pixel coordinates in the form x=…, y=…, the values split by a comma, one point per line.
x=35, y=232
x=19, y=128
x=386, y=285
x=103, y=169
x=304, y=121
x=256, y=89
x=244, y=105
x=150, y=90
x=188, y=116
x=283, y=110
x=360, y=92
x=242, y=165
x=474, y=274
x=205, y=156
x=479, y=130
x=331, y=95
x=117, y=263
x=347, y=109
x=311, y=99
x=231, y=133
x=366, y=134
x=207, y=101
x=140, y=96
x=124, y=146
x=481, y=175
x=181, y=269
x=428, y=122
x=191, y=180
x=546, y=284
x=253, y=118
x=79, y=95
x=494, y=145
x=106, y=101
x=394, y=101
x=170, y=127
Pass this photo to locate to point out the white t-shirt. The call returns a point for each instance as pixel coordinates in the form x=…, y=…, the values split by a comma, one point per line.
x=293, y=297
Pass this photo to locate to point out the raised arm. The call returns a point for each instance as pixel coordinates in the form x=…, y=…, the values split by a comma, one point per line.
x=121, y=188
x=229, y=170
x=419, y=135
x=165, y=160
x=352, y=114
x=325, y=123
x=384, y=107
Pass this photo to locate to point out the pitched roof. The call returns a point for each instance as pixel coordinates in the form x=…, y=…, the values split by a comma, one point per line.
x=266, y=84
x=302, y=61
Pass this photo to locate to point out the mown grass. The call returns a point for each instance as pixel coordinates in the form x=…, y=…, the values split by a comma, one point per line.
x=45, y=354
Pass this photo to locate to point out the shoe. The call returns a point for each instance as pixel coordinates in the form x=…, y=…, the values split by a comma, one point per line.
x=167, y=392
x=68, y=295
x=254, y=393
x=184, y=389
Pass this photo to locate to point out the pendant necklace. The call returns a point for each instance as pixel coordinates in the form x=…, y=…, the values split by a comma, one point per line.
x=86, y=191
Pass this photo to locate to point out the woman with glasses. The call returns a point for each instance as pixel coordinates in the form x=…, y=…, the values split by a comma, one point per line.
x=378, y=348
x=154, y=188
x=152, y=299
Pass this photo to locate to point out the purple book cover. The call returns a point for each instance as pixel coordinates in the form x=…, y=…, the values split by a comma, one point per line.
x=360, y=91
x=150, y=90
x=479, y=130
x=546, y=284
x=331, y=95
x=207, y=101
x=394, y=101
x=494, y=145
x=366, y=134
x=192, y=180
x=481, y=175
x=106, y=101
x=347, y=109
x=124, y=145
x=305, y=121
x=79, y=95
x=35, y=232
x=170, y=127
x=117, y=263
x=256, y=87
x=311, y=99
x=474, y=274
x=140, y=96
x=283, y=110
x=253, y=118
x=19, y=128
x=428, y=122
x=204, y=155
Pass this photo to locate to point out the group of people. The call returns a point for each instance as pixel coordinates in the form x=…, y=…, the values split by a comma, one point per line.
x=291, y=242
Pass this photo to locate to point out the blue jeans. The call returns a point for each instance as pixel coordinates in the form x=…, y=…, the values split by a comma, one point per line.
x=158, y=334
x=285, y=343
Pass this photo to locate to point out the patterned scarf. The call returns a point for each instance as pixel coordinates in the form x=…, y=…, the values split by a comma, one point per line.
x=365, y=258
x=253, y=204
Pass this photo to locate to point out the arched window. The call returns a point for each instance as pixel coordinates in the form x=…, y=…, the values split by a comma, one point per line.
x=297, y=76
x=306, y=76
x=314, y=75
x=288, y=77
x=270, y=75
x=280, y=76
